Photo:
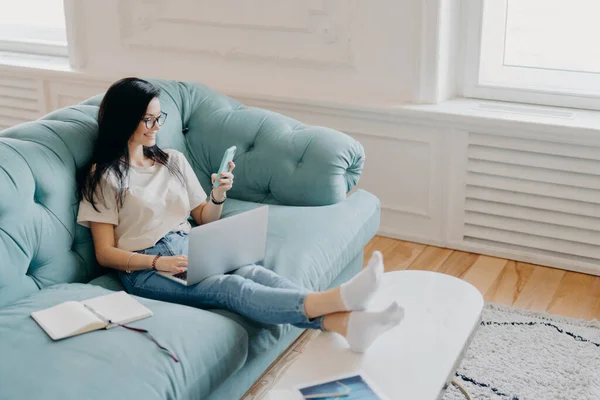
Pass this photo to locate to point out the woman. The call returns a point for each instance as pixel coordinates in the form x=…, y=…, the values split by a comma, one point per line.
x=136, y=199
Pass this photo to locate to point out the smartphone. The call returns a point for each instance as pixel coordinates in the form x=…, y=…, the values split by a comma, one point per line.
x=227, y=157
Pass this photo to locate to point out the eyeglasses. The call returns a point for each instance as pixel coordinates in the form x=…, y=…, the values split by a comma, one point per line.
x=152, y=121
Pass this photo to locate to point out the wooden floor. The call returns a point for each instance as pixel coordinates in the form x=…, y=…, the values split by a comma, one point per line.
x=517, y=284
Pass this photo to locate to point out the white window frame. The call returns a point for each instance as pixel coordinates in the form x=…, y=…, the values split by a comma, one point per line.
x=34, y=47
x=486, y=77
x=37, y=47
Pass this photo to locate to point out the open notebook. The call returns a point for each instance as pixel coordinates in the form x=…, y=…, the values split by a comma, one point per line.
x=76, y=317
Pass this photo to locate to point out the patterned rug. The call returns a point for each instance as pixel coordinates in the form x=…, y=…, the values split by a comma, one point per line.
x=522, y=355
x=515, y=355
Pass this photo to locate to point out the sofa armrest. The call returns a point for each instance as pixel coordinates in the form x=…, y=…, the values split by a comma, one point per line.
x=279, y=160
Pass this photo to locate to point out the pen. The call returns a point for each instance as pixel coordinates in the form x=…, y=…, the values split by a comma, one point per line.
x=97, y=314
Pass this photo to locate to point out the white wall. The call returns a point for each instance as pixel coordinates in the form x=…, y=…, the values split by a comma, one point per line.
x=340, y=50
x=445, y=177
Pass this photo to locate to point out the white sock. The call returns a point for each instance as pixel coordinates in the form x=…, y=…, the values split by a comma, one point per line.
x=366, y=326
x=357, y=292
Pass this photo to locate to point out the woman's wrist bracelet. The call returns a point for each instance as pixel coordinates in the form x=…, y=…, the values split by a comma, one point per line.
x=155, y=260
x=212, y=198
x=129, y=259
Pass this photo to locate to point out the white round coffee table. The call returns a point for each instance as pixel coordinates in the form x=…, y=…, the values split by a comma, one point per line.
x=413, y=361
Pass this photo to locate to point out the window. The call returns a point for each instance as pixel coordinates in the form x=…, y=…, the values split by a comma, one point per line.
x=33, y=26
x=535, y=51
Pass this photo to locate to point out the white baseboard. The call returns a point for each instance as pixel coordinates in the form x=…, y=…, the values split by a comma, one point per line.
x=410, y=238
x=529, y=258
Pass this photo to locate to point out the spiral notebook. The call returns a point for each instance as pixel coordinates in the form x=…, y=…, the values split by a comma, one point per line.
x=76, y=317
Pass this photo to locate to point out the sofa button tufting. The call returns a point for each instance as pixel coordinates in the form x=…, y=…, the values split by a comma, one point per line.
x=185, y=130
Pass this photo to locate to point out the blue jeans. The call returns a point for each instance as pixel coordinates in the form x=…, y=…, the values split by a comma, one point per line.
x=252, y=291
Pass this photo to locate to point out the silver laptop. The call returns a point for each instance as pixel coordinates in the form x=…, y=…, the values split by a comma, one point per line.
x=224, y=245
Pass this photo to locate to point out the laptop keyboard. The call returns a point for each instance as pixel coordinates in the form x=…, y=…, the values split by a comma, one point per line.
x=181, y=275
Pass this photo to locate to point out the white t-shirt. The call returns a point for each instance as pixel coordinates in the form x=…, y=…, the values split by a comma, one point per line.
x=155, y=204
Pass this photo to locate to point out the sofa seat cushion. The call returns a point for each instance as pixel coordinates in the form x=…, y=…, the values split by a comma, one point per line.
x=117, y=363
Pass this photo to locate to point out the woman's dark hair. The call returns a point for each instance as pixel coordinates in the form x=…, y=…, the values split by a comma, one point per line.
x=121, y=110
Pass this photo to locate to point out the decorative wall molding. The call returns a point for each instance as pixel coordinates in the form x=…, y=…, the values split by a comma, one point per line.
x=283, y=15
x=403, y=147
x=65, y=93
x=316, y=32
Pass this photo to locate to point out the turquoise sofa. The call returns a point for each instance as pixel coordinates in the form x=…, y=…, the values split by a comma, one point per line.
x=316, y=237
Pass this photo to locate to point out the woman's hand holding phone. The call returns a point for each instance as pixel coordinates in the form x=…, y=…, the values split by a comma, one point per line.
x=225, y=182
x=222, y=181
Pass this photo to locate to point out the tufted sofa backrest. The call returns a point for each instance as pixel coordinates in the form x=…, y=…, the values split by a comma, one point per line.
x=279, y=161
